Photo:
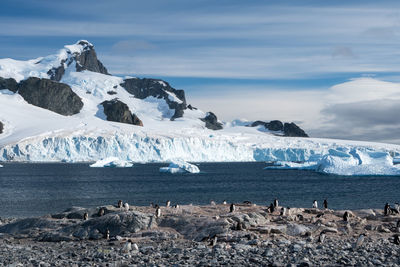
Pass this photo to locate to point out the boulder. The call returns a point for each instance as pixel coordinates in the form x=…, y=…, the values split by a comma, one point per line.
x=118, y=111
x=143, y=88
x=274, y=125
x=212, y=122
x=9, y=84
x=1, y=127
x=292, y=130
x=51, y=95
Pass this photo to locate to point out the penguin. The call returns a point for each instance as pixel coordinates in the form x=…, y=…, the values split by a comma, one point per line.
x=212, y=203
x=232, y=208
x=315, y=204
x=126, y=206
x=321, y=238
x=168, y=203
x=397, y=207
x=396, y=239
x=224, y=202
x=119, y=204
x=101, y=212
x=107, y=234
x=283, y=211
x=176, y=206
x=360, y=240
x=271, y=208
x=158, y=212
x=398, y=224
x=152, y=204
x=276, y=202
x=346, y=216
x=85, y=216
x=214, y=241
x=325, y=204
x=239, y=226
x=386, y=209
x=127, y=247
x=135, y=246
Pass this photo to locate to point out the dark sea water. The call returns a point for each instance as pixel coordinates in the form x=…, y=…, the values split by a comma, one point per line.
x=39, y=189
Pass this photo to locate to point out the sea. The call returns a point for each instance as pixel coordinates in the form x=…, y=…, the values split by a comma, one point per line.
x=35, y=189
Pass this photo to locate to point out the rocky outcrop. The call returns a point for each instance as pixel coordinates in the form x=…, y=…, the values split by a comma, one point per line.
x=86, y=60
x=9, y=84
x=291, y=129
x=211, y=121
x=288, y=129
x=143, y=88
x=51, y=95
x=118, y=111
x=1, y=127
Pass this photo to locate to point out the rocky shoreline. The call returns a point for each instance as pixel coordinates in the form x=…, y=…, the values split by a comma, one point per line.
x=201, y=236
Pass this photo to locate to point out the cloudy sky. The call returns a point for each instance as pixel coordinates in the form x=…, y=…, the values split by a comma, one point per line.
x=330, y=66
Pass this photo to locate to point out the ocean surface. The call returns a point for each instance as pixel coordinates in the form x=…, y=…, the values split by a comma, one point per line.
x=28, y=189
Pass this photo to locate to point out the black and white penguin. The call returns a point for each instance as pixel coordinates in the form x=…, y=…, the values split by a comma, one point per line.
x=126, y=206
x=232, y=208
x=386, y=209
x=271, y=208
x=168, y=203
x=396, y=239
x=107, y=234
x=224, y=202
x=101, y=212
x=276, y=203
x=214, y=241
x=346, y=216
x=315, y=204
x=119, y=204
x=321, y=237
x=85, y=216
x=325, y=204
x=158, y=212
x=283, y=211
x=360, y=240
x=239, y=226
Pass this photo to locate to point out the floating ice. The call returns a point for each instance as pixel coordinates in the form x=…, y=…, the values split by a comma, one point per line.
x=111, y=162
x=286, y=165
x=180, y=167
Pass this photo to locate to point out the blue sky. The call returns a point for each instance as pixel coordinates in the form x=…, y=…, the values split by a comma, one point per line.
x=231, y=51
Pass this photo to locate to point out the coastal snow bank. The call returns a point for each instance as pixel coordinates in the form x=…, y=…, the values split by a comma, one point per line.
x=180, y=166
x=111, y=162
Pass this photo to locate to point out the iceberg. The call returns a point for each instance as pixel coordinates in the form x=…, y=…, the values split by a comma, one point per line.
x=180, y=167
x=286, y=165
x=111, y=162
x=1, y=166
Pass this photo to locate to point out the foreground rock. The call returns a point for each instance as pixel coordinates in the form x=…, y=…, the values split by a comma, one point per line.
x=1, y=127
x=200, y=235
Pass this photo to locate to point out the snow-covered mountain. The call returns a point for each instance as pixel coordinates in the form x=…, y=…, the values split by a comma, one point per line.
x=67, y=107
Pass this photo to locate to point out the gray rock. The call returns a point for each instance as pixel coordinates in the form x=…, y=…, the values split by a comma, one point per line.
x=143, y=88
x=51, y=95
x=1, y=127
x=9, y=84
x=118, y=111
x=291, y=129
x=212, y=122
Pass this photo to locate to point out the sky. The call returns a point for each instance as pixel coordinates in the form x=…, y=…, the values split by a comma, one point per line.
x=330, y=66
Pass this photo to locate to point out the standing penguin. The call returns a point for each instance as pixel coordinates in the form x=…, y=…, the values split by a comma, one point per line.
x=321, y=238
x=360, y=240
x=101, y=212
x=119, y=204
x=276, y=203
x=107, y=234
x=271, y=208
x=346, y=216
x=168, y=203
x=158, y=212
x=396, y=239
x=232, y=208
x=224, y=202
x=315, y=204
x=85, y=216
x=386, y=209
x=126, y=206
x=325, y=204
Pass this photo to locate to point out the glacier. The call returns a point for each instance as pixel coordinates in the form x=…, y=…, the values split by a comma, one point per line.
x=180, y=166
x=34, y=134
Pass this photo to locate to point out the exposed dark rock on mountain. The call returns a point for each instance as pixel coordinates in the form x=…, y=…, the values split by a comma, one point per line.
x=1, y=127
x=143, y=88
x=9, y=84
x=118, y=111
x=87, y=60
x=51, y=95
x=291, y=129
x=212, y=121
